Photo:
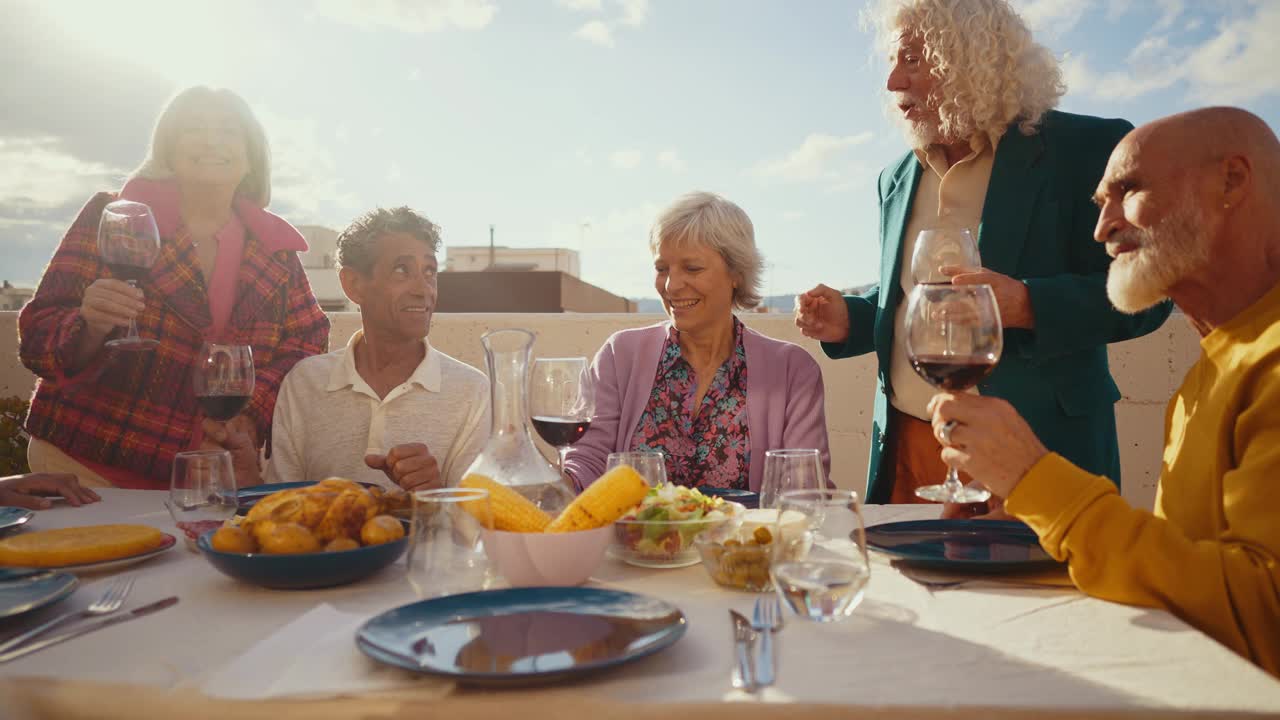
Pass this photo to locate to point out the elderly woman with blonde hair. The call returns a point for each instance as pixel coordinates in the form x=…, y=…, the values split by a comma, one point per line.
x=227, y=272
x=701, y=387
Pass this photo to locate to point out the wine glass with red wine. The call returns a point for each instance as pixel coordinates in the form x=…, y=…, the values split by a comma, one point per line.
x=954, y=340
x=561, y=401
x=937, y=248
x=223, y=380
x=128, y=243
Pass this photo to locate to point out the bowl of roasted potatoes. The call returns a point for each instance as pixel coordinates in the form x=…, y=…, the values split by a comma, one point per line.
x=331, y=533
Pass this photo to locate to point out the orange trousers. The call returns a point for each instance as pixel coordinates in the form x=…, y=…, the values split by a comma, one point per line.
x=916, y=456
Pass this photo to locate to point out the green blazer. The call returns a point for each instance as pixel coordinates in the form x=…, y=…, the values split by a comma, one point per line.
x=1037, y=226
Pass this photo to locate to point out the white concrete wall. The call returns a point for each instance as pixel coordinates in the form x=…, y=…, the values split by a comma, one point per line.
x=1148, y=371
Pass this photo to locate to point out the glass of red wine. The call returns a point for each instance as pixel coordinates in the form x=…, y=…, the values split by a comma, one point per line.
x=937, y=248
x=223, y=380
x=954, y=340
x=128, y=242
x=562, y=401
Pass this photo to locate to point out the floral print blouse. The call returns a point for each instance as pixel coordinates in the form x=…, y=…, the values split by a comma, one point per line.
x=707, y=445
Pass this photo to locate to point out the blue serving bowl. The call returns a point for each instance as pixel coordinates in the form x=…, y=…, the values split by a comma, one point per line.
x=305, y=570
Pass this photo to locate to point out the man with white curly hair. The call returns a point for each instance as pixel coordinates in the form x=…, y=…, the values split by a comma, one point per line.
x=975, y=96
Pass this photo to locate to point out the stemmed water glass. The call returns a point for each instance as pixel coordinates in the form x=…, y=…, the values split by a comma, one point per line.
x=819, y=562
x=789, y=469
x=128, y=243
x=954, y=340
x=562, y=401
x=937, y=248
x=223, y=380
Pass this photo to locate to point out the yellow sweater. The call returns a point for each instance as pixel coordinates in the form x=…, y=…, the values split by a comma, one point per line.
x=1210, y=554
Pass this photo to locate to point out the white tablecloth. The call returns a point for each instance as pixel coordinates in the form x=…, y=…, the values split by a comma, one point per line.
x=977, y=645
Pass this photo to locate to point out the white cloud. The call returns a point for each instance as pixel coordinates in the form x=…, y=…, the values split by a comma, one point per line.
x=634, y=12
x=304, y=176
x=596, y=32
x=413, y=16
x=1114, y=85
x=584, y=157
x=1234, y=65
x=37, y=174
x=814, y=160
x=1171, y=10
x=671, y=160
x=581, y=5
x=626, y=159
x=1237, y=64
x=1052, y=17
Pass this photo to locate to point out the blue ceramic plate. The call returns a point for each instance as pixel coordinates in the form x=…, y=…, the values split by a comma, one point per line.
x=12, y=517
x=306, y=570
x=969, y=545
x=248, y=497
x=521, y=636
x=27, y=593
x=747, y=498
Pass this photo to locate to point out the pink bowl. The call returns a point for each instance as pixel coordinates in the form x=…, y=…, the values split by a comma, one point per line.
x=526, y=559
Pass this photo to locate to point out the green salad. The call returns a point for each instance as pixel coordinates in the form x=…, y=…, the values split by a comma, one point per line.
x=664, y=524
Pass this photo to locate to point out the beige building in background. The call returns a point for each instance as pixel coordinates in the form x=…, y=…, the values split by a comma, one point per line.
x=320, y=262
x=475, y=258
x=12, y=297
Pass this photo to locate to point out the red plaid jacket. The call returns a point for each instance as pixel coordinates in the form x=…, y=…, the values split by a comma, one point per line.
x=136, y=410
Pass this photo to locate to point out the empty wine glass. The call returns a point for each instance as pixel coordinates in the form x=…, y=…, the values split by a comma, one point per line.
x=128, y=243
x=223, y=380
x=819, y=562
x=954, y=340
x=650, y=464
x=789, y=469
x=940, y=247
x=561, y=401
x=202, y=491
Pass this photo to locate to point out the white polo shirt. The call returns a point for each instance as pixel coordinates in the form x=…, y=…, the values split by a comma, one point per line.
x=327, y=418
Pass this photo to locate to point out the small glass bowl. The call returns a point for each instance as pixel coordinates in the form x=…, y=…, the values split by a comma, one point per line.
x=740, y=557
x=667, y=543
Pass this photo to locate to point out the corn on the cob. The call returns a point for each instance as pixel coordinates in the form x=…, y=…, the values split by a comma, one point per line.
x=604, y=501
x=511, y=510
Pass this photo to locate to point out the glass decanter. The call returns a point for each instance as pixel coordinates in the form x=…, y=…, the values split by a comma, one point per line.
x=510, y=457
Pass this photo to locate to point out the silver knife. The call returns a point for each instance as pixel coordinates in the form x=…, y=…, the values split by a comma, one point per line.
x=138, y=612
x=744, y=638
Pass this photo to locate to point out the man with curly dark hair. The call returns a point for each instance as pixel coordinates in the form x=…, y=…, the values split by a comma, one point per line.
x=416, y=416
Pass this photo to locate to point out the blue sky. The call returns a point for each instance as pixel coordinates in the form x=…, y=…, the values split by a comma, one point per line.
x=563, y=122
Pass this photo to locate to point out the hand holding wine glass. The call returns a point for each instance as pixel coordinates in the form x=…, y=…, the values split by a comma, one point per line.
x=954, y=340
x=128, y=243
x=562, y=401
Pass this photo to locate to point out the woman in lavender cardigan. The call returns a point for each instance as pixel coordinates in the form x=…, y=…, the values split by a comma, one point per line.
x=710, y=393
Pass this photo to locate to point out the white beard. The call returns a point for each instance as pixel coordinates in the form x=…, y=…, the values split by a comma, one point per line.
x=1172, y=250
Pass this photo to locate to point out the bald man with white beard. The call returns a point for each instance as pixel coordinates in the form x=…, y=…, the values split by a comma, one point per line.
x=1190, y=211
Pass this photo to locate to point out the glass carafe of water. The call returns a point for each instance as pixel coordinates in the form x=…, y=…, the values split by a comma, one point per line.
x=510, y=457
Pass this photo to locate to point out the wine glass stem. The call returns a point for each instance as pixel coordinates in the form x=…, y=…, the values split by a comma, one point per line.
x=562, y=451
x=953, y=485
x=133, y=325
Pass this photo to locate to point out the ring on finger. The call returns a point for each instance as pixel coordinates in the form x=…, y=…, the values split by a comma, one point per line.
x=944, y=432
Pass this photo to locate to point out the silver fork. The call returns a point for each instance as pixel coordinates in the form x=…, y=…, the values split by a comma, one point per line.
x=766, y=619
x=110, y=601
x=743, y=639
